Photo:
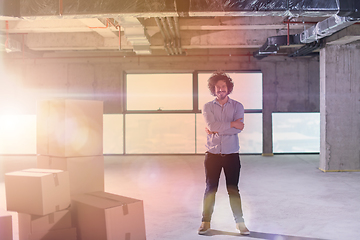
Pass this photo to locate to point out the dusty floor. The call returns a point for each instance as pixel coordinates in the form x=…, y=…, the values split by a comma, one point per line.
x=284, y=196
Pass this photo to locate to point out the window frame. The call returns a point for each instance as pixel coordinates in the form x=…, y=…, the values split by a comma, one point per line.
x=195, y=110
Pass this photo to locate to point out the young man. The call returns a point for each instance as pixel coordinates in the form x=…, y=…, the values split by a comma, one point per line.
x=224, y=119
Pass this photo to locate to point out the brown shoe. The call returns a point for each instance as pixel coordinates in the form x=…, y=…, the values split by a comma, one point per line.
x=204, y=228
x=242, y=228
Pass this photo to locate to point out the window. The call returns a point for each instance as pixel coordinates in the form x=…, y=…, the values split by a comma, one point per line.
x=296, y=132
x=17, y=134
x=160, y=133
x=159, y=117
x=159, y=91
x=113, y=134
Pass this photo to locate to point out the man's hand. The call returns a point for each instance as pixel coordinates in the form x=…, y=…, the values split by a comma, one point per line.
x=209, y=132
x=237, y=124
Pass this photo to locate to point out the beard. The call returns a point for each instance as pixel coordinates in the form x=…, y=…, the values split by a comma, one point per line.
x=221, y=95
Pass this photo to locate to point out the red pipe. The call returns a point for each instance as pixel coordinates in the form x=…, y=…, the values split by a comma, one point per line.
x=288, y=34
x=23, y=46
x=7, y=34
x=61, y=7
x=117, y=27
x=112, y=24
x=107, y=25
x=119, y=38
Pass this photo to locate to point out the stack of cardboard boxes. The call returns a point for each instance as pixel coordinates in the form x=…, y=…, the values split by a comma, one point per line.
x=42, y=199
x=64, y=198
x=6, y=231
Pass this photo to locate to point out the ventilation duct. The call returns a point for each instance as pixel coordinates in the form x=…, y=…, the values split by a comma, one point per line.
x=135, y=34
x=348, y=14
x=326, y=28
x=273, y=44
x=295, y=8
x=166, y=8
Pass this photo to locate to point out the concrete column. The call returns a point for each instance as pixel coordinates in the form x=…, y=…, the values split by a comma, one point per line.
x=269, y=104
x=340, y=108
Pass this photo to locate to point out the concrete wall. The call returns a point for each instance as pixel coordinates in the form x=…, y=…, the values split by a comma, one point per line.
x=289, y=85
x=340, y=108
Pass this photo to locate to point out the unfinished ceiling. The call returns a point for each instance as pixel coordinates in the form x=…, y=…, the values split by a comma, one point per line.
x=174, y=27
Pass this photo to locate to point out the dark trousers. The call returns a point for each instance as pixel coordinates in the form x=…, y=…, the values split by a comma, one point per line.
x=214, y=163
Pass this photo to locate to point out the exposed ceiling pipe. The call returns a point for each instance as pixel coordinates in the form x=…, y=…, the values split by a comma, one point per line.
x=168, y=36
x=170, y=23
x=118, y=27
x=158, y=22
x=169, y=28
x=308, y=49
x=177, y=32
x=8, y=44
x=7, y=34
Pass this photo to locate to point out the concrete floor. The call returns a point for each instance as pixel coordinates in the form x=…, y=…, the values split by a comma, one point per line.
x=284, y=196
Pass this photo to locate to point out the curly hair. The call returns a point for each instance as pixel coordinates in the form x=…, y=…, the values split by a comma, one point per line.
x=215, y=77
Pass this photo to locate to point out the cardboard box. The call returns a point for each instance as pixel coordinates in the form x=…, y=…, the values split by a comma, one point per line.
x=37, y=191
x=6, y=230
x=41, y=225
x=106, y=216
x=69, y=128
x=59, y=234
x=86, y=174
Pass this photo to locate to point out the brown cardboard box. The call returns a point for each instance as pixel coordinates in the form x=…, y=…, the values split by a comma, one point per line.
x=69, y=128
x=37, y=191
x=86, y=174
x=39, y=226
x=6, y=231
x=106, y=216
x=59, y=234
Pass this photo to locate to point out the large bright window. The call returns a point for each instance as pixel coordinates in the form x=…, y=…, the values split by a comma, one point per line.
x=160, y=133
x=158, y=118
x=296, y=132
x=17, y=134
x=113, y=134
x=159, y=91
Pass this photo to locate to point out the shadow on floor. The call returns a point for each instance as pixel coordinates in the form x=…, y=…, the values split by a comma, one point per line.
x=260, y=235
